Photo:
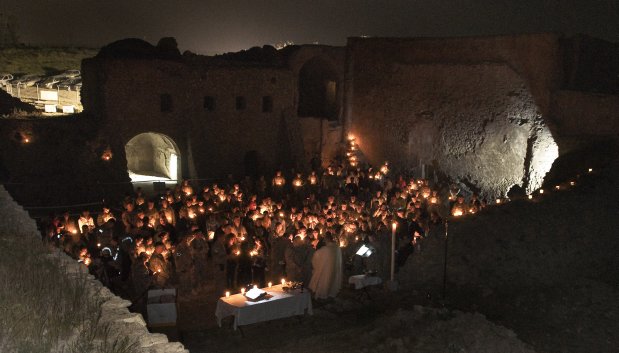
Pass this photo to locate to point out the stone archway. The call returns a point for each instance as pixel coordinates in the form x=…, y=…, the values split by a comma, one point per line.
x=153, y=156
x=318, y=88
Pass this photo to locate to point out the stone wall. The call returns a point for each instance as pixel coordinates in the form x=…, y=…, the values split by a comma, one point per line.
x=217, y=138
x=586, y=113
x=60, y=164
x=473, y=108
x=123, y=324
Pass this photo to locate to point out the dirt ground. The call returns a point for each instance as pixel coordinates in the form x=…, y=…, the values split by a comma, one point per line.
x=582, y=318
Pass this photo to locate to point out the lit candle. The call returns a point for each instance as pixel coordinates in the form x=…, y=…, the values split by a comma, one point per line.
x=243, y=290
x=572, y=183
x=590, y=170
x=530, y=197
x=558, y=187
x=255, y=286
x=498, y=201
x=227, y=294
x=283, y=281
x=270, y=284
x=541, y=191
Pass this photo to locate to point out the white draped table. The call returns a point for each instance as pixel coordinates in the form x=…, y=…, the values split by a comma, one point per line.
x=280, y=305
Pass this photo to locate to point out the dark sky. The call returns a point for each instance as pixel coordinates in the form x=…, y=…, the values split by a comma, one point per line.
x=212, y=26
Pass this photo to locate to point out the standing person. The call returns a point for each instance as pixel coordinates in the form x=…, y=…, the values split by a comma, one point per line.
x=86, y=220
x=183, y=259
x=232, y=258
x=141, y=277
x=158, y=265
x=326, y=279
x=258, y=262
x=200, y=256
x=297, y=256
x=104, y=216
x=129, y=217
x=218, y=254
x=279, y=243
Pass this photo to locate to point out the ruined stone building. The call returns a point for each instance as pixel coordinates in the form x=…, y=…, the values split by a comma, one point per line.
x=491, y=112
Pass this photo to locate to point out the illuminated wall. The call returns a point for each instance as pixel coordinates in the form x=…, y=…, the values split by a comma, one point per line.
x=475, y=108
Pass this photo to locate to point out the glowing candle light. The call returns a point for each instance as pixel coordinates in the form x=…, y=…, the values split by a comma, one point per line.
x=283, y=281
x=530, y=197
x=498, y=201
x=243, y=291
x=590, y=170
x=457, y=212
x=541, y=191
x=270, y=284
x=227, y=294
x=255, y=286
x=572, y=183
x=558, y=187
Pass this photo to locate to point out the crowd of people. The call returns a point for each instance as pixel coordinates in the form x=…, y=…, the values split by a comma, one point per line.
x=304, y=228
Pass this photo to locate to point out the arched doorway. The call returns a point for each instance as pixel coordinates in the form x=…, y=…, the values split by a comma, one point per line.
x=318, y=90
x=153, y=157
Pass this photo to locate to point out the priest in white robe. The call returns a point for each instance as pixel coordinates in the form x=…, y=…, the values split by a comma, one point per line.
x=326, y=279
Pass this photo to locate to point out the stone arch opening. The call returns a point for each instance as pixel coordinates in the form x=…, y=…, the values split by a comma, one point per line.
x=318, y=88
x=153, y=156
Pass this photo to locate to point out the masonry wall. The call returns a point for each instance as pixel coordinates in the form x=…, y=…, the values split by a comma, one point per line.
x=212, y=143
x=61, y=164
x=473, y=108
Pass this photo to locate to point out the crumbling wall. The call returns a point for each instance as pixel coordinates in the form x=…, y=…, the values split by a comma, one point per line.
x=477, y=108
x=478, y=123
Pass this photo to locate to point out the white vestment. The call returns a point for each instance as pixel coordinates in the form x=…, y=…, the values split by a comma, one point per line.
x=327, y=271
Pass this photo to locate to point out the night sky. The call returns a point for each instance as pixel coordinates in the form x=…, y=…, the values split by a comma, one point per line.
x=214, y=26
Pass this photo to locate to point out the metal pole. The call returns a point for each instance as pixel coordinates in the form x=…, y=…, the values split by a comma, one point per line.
x=393, y=227
x=445, y=263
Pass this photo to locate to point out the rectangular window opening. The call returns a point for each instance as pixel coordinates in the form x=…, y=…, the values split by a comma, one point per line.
x=267, y=104
x=166, y=102
x=209, y=103
x=241, y=103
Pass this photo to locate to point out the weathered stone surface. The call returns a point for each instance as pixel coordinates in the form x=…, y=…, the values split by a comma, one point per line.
x=153, y=339
x=115, y=303
x=172, y=347
x=114, y=310
x=479, y=121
